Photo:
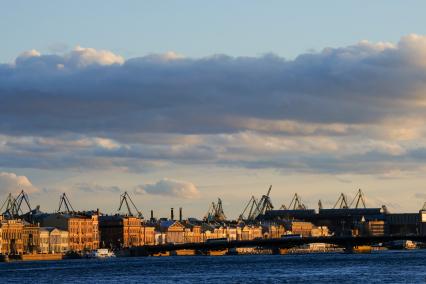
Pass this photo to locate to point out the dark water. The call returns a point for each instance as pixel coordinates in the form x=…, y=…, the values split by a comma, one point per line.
x=378, y=267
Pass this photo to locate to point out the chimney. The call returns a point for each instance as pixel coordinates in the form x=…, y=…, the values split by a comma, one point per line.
x=152, y=215
x=180, y=214
x=172, y=217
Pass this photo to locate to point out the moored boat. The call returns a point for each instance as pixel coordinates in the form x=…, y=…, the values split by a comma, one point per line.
x=101, y=253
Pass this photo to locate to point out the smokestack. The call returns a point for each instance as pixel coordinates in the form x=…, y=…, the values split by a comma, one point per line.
x=172, y=216
x=180, y=214
x=152, y=215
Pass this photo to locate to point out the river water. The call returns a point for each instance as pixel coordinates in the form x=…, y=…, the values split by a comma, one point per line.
x=377, y=267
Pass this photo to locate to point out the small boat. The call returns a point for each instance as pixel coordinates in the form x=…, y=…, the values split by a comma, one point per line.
x=402, y=244
x=100, y=253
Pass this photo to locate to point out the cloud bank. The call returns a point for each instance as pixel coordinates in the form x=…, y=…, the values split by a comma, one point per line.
x=353, y=109
x=171, y=188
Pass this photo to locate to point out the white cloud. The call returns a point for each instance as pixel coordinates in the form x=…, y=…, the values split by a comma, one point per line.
x=30, y=53
x=83, y=57
x=12, y=183
x=170, y=187
x=78, y=58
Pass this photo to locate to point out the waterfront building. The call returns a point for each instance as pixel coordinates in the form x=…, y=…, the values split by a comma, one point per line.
x=174, y=230
x=373, y=228
x=44, y=242
x=159, y=238
x=402, y=223
x=119, y=231
x=422, y=220
x=147, y=235
x=250, y=233
x=232, y=233
x=192, y=233
x=58, y=241
x=301, y=228
x=30, y=237
x=346, y=221
x=53, y=240
x=82, y=228
x=240, y=232
x=273, y=231
x=320, y=231
x=11, y=231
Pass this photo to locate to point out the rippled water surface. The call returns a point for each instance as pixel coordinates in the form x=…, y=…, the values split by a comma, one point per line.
x=378, y=267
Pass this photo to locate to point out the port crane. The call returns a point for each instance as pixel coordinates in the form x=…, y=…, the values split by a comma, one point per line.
x=341, y=202
x=13, y=205
x=9, y=207
x=253, y=205
x=20, y=199
x=257, y=207
x=125, y=199
x=63, y=200
x=296, y=203
x=215, y=212
x=359, y=197
x=265, y=203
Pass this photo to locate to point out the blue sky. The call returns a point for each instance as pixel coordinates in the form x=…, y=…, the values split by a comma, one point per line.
x=200, y=28
x=181, y=102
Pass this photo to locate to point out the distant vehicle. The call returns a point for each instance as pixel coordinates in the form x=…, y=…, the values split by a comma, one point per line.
x=291, y=236
x=217, y=240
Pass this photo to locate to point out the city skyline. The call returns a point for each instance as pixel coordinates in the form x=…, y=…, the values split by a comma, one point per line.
x=179, y=115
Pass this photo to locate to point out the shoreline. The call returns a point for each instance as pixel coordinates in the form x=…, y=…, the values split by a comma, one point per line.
x=245, y=252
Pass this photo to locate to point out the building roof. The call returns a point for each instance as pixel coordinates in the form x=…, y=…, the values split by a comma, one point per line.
x=49, y=229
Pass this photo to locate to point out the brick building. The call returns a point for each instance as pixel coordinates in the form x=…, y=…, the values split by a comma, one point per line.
x=119, y=231
x=82, y=228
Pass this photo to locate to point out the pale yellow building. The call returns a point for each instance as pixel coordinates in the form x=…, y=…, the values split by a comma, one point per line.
x=321, y=231
x=59, y=240
x=273, y=231
x=251, y=233
x=53, y=240
x=44, y=242
x=174, y=231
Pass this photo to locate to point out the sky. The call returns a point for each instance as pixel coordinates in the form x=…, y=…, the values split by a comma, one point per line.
x=182, y=102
